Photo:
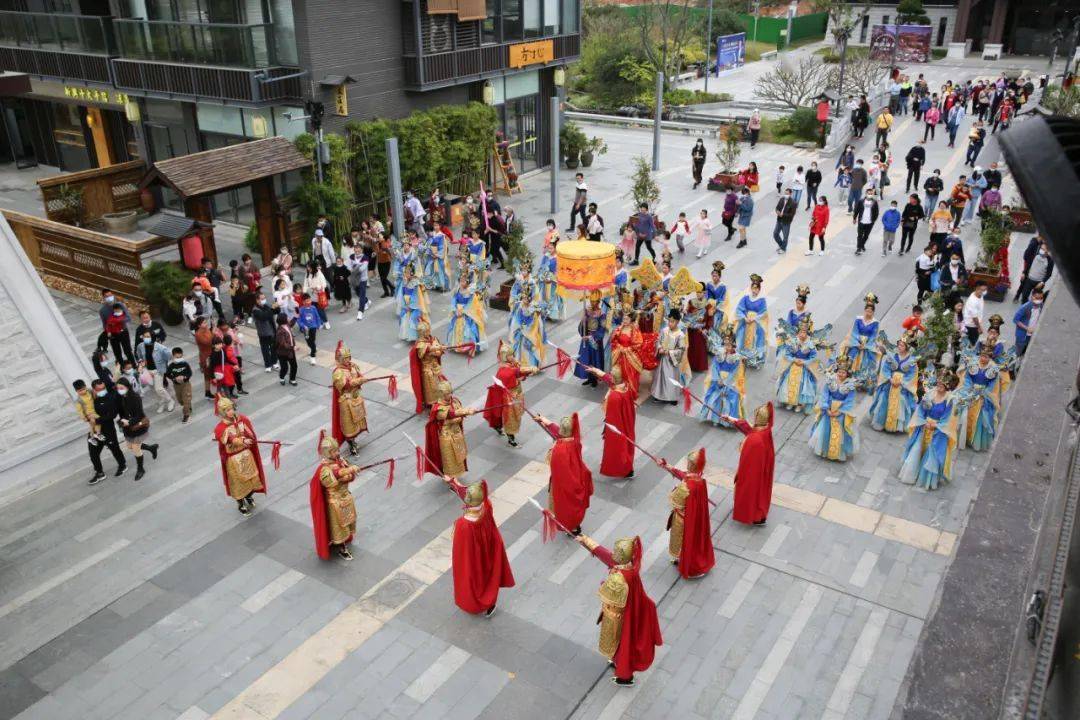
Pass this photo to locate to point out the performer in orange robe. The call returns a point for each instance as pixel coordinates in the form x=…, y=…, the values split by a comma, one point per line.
x=754, y=478
x=507, y=403
x=626, y=349
x=241, y=463
x=629, y=626
x=570, y=484
x=444, y=434
x=620, y=410
x=479, y=559
x=425, y=366
x=333, y=509
x=690, y=542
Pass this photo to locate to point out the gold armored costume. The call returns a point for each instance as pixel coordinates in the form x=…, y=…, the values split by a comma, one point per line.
x=429, y=351
x=613, y=593
x=347, y=380
x=335, y=474
x=451, y=416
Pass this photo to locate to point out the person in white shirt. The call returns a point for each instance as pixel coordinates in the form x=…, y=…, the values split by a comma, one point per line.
x=322, y=250
x=973, y=312
x=924, y=269
x=414, y=209
x=798, y=184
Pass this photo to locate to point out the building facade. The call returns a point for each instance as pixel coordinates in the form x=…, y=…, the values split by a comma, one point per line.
x=110, y=80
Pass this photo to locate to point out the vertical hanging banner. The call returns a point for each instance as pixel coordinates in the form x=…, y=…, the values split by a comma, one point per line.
x=730, y=51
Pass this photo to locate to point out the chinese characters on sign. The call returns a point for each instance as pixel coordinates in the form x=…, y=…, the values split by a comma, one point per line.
x=341, y=101
x=112, y=97
x=532, y=53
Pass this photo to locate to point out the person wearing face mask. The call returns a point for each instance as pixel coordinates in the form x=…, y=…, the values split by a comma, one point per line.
x=114, y=320
x=1038, y=267
x=697, y=158
x=155, y=359
x=953, y=274
x=265, y=317
x=106, y=408
x=1027, y=318
x=135, y=424
x=95, y=440
x=813, y=182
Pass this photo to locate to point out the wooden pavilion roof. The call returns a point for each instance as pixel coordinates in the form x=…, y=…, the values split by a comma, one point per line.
x=213, y=171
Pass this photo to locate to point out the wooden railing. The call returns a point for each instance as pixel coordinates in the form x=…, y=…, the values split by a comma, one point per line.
x=80, y=261
x=103, y=190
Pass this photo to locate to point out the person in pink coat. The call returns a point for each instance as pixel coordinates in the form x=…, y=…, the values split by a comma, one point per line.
x=819, y=220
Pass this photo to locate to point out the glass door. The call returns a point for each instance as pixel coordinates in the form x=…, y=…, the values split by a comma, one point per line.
x=17, y=129
x=528, y=155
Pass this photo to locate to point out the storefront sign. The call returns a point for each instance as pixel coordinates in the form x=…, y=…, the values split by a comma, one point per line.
x=78, y=93
x=341, y=101
x=532, y=53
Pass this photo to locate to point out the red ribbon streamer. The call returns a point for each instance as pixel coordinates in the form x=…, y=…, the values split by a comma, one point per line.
x=391, y=389
x=564, y=363
x=419, y=464
x=548, y=528
x=275, y=455
x=390, y=477
x=686, y=398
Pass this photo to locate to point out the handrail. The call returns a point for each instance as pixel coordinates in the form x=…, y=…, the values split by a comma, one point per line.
x=66, y=32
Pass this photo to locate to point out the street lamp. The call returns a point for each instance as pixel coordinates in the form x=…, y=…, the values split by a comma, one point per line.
x=708, y=48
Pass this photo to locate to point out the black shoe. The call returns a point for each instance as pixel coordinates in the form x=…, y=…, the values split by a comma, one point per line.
x=98, y=477
x=511, y=441
x=759, y=522
x=629, y=475
x=576, y=531
x=120, y=470
x=251, y=501
x=587, y=382
x=343, y=553
x=243, y=392
x=490, y=611
x=185, y=420
x=153, y=450
x=622, y=683
x=634, y=262
x=242, y=507
x=352, y=448
x=742, y=244
x=282, y=381
x=208, y=396
x=139, y=474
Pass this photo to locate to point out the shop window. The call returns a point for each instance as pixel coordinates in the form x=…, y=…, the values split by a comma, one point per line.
x=489, y=28
x=569, y=16
x=258, y=124
x=511, y=20
x=522, y=84
x=551, y=17
x=531, y=17
x=220, y=119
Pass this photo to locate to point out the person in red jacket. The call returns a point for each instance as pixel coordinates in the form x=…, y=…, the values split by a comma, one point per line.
x=478, y=559
x=570, y=485
x=754, y=477
x=819, y=220
x=690, y=540
x=629, y=626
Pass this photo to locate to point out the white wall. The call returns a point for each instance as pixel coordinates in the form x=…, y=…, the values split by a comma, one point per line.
x=878, y=13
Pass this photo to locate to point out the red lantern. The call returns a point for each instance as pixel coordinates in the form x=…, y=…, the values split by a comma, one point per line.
x=822, y=110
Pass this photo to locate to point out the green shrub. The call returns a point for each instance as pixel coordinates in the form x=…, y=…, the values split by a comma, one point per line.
x=683, y=96
x=251, y=240
x=799, y=126
x=165, y=284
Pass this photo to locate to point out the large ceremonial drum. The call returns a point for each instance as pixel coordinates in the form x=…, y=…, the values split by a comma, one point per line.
x=584, y=266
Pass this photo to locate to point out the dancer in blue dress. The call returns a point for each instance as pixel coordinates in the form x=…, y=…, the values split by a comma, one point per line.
x=593, y=330
x=716, y=294
x=411, y=303
x=834, y=434
x=524, y=279
x=860, y=346
x=1005, y=358
x=468, y=317
x=752, y=324
x=725, y=386
x=980, y=391
x=549, y=285
x=932, y=439
x=798, y=367
x=528, y=337
x=895, y=397
x=436, y=252
x=622, y=275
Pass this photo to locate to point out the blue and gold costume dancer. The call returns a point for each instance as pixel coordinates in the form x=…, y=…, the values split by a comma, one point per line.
x=528, y=337
x=933, y=434
x=468, y=317
x=752, y=324
x=593, y=329
x=411, y=303
x=860, y=346
x=436, y=253
x=895, y=397
x=798, y=364
x=980, y=391
x=725, y=386
x=834, y=434
x=549, y=285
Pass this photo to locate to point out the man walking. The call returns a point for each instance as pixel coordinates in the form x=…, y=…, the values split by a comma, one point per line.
x=952, y=121
x=864, y=216
x=155, y=359
x=973, y=312
x=581, y=202
x=95, y=441
x=785, y=213
x=114, y=324
x=1025, y=319
x=932, y=189
x=976, y=138
x=265, y=317
x=813, y=182
x=884, y=125
x=644, y=226
x=909, y=221
x=1037, y=270
x=915, y=159
x=106, y=410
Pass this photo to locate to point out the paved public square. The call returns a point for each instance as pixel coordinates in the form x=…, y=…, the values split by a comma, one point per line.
x=158, y=600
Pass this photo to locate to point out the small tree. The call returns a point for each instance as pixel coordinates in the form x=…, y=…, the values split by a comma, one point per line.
x=518, y=254
x=643, y=188
x=910, y=12
x=940, y=325
x=861, y=75
x=729, y=151
x=993, y=236
x=663, y=30
x=793, y=85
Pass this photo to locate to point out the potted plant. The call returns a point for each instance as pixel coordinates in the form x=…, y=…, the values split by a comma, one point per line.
x=1020, y=217
x=728, y=154
x=69, y=205
x=165, y=285
x=991, y=266
x=518, y=257
x=940, y=326
x=594, y=146
x=571, y=142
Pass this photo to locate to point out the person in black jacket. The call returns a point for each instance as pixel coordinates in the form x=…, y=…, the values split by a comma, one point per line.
x=135, y=424
x=915, y=159
x=813, y=182
x=156, y=329
x=909, y=221
x=265, y=325
x=864, y=217
x=932, y=189
x=102, y=427
x=697, y=157
x=952, y=275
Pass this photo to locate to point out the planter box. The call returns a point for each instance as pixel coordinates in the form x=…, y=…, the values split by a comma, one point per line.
x=1021, y=220
x=501, y=299
x=722, y=181
x=998, y=285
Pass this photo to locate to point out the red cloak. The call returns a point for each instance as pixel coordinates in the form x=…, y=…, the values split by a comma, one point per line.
x=570, y=483
x=433, y=464
x=618, y=457
x=319, y=514
x=335, y=418
x=509, y=376
x=754, y=477
x=254, y=451
x=696, y=557
x=641, y=627
x=416, y=378
x=479, y=561
x=697, y=351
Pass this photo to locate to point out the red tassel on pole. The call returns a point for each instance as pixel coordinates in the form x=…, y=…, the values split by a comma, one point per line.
x=390, y=476
x=686, y=400
x=564, y=362
x=275, y=456
x=391, y=387
x=548, y=529
x=419, y=464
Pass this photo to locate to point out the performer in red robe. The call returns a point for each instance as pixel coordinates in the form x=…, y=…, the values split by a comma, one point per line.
x=629, y=626
x=238, y=448
x=620, y=410
x=333, y=509
x=444, y=435
x=506, y=398
x=479, y=561
x=690, y=541
x=570, y=484
x=626, y=348
x=697, y=351
x=754, y=478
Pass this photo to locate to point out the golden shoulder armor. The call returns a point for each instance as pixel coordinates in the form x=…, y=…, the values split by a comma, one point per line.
x=614, y=590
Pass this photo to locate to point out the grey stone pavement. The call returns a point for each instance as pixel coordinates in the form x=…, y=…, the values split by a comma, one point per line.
x=158, y=600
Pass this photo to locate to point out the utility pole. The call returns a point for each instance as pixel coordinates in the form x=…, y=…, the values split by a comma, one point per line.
x=556, y=133
x=843, y=66
x=659, y=111
x=708, y=49
x=315, y=111
x=393, y=172
x=757, y=14
x=791, y=10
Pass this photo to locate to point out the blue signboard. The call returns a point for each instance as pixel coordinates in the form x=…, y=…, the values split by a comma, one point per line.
x=730, y=51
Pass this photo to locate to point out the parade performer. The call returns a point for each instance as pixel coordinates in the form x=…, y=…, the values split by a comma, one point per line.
x=980, y=391
x=592, y=329
x=238, y=447
x=468, y=318
x=931, y=447
x=411, y=304
x=716, y=293
x=752, y=324
x=524, y=283
x=754, y=476
x=1004, y=358
x=527, y=334
x=895, y=398
x=697, y=320
x=553, y=302
x=725, y=387
x=799, y=366
x=444, y=434
x=622, y=275
x=478, y=556
x=506, y=396
x=690, y=540
x=626, y=349
x=860, y=346
x=333, y=510
x=673, y=365
x=799, y=312
x=620, y=411
x=834, y=434
x=436, y=253
x=348, y=414
x=570, y=484
x=629, y=626
x=425, y=366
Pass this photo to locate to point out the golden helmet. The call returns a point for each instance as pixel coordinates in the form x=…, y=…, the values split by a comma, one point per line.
x=802, y=291
x=475, y=494
x=342, y=354
x=222, y=405
x=695, y=461
x=423, y=328
x=871, y=300
x=623, y=552
x=842, y=363
x=761, y=416
x=718, y=267
x=756, y=279
x=445, y=389
x=506, y=352
x=328, y=446
x=995, y=322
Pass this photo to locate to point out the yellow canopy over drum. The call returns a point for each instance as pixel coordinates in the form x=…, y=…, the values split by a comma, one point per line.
x=585, y=266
